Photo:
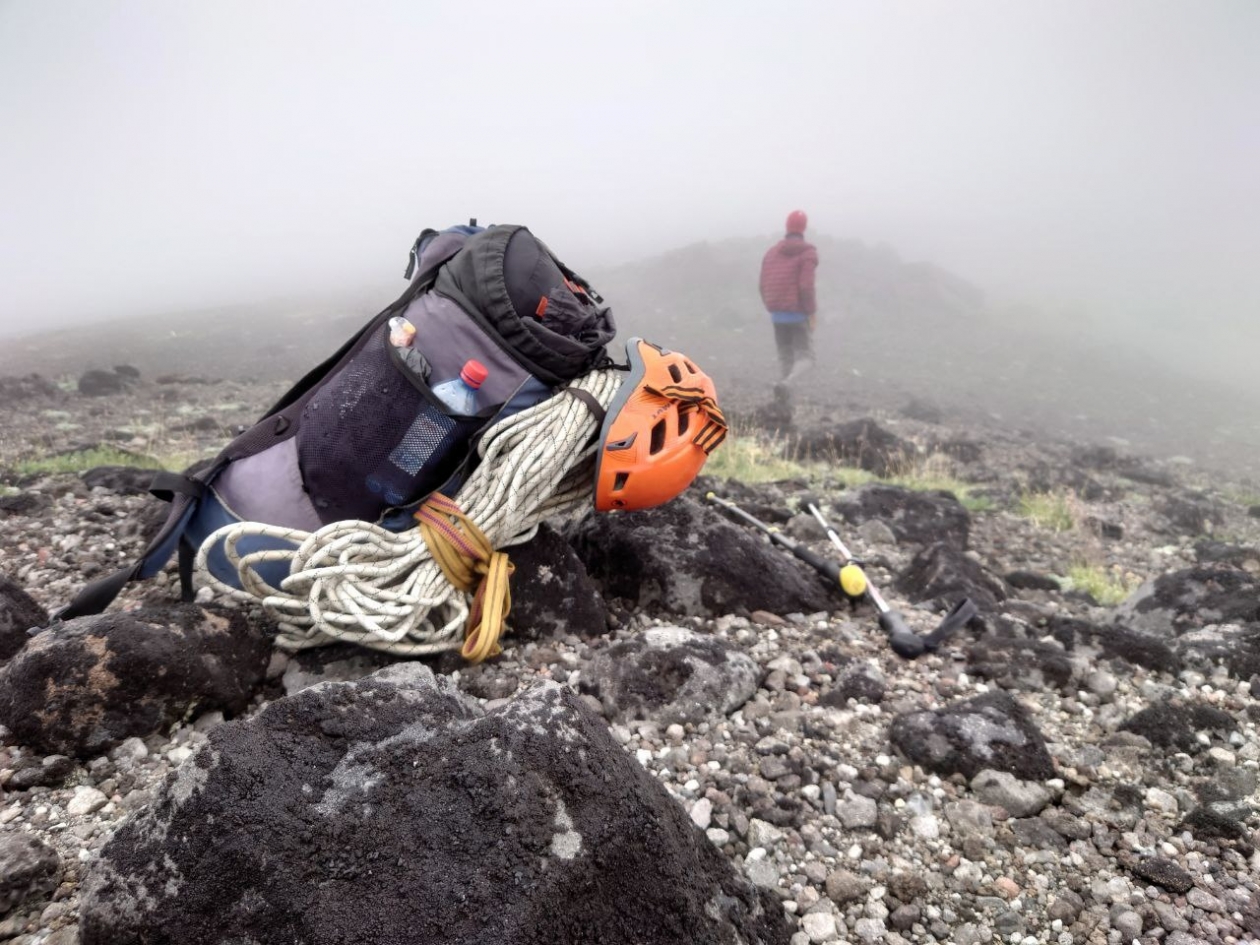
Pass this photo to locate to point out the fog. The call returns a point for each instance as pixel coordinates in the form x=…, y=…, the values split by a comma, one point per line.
x=1095, y=162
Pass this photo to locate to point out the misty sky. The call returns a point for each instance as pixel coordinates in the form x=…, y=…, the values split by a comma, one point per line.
x=159, y=155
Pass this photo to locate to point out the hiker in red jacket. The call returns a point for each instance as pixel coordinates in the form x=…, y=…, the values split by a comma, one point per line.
x=787, y=289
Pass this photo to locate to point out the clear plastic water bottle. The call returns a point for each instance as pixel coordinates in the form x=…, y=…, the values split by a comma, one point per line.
x=459, y=394
x=401, y=332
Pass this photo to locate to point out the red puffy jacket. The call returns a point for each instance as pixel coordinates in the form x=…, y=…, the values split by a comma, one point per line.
x=787, y=276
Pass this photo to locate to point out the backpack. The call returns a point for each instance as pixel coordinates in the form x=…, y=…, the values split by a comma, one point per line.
x=362, y=436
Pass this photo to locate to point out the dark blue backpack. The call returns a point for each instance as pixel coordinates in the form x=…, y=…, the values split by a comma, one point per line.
x=362, y=436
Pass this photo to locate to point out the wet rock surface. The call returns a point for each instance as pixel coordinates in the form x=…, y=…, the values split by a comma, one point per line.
x=989, y=732
x=671, y=675
x=913, y=516
x=686, y=559
x=430, y=820
x=83, y=686
x=19, y=613
x=942, y=574
x=28, y=868
x=861, y=443
x=552, y=594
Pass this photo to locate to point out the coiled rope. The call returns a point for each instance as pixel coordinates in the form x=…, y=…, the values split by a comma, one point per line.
x=407, y=592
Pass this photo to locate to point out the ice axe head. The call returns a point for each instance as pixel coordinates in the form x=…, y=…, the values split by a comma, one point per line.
x=904, y=641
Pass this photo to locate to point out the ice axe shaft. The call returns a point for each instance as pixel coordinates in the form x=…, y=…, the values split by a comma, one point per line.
x=827, y=568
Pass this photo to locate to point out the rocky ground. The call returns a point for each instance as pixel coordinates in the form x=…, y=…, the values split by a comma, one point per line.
x=688, y=736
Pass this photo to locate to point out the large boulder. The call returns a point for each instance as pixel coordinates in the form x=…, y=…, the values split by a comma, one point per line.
x=552, y=595
x=992, y=731
x=942, y=574
x=670, y=674
x=83, y=686
x=19, y=612
x=395, y=810
x=862, y=443
x=916, y=517
x=28, y=867
x=685, y=558
x=1206, y=613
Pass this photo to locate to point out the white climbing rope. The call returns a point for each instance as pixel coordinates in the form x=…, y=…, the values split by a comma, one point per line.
x=358, y=582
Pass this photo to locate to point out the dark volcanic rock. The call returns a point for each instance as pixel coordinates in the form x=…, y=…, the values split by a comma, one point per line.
x=1164, y=873
x=1138, y=648
x=1174, y=726
x=942, y=574
x=15, y=389
x=1018, y=661
x=913, y=516
x=101, y=383
x=1206, y=824
x=83, y=686
x=394, y=810
x=36, y=772
x=1191, y=514
x=28, y=867
x=685, y=558
x=124, y=480
x=1224, y=553
x=861, y=443
x=1032, y=581
x=670, y=674
x=1206, y=614
x=18, y=613
x=1137, y=470
x=24, y=503
x=860, y=682
x=991, y=731
x=923, y=411
x=552, y=594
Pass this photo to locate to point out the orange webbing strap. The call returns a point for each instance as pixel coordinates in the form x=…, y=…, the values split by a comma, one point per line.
x=468, y=560
x=714, y=430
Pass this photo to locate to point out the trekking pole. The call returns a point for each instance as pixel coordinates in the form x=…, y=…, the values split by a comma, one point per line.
x=904, y=641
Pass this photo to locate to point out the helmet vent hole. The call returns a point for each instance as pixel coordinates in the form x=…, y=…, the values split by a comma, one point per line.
x=658, y=438
x=684, y=421
x=675, y=373
x=619, y=481
x=690, y=367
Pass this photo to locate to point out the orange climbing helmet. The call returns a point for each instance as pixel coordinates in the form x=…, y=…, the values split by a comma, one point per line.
x=661, y=426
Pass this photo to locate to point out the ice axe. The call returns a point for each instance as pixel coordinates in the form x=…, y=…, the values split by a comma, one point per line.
x=853, y=582
x=904, y=641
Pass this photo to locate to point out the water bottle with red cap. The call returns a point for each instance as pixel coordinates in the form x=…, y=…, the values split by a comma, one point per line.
x=460, y=393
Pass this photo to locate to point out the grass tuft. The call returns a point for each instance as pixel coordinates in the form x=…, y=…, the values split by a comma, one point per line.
x=1049, y=510
x=750, y=459
x=1108, y=586
x=83, y=460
